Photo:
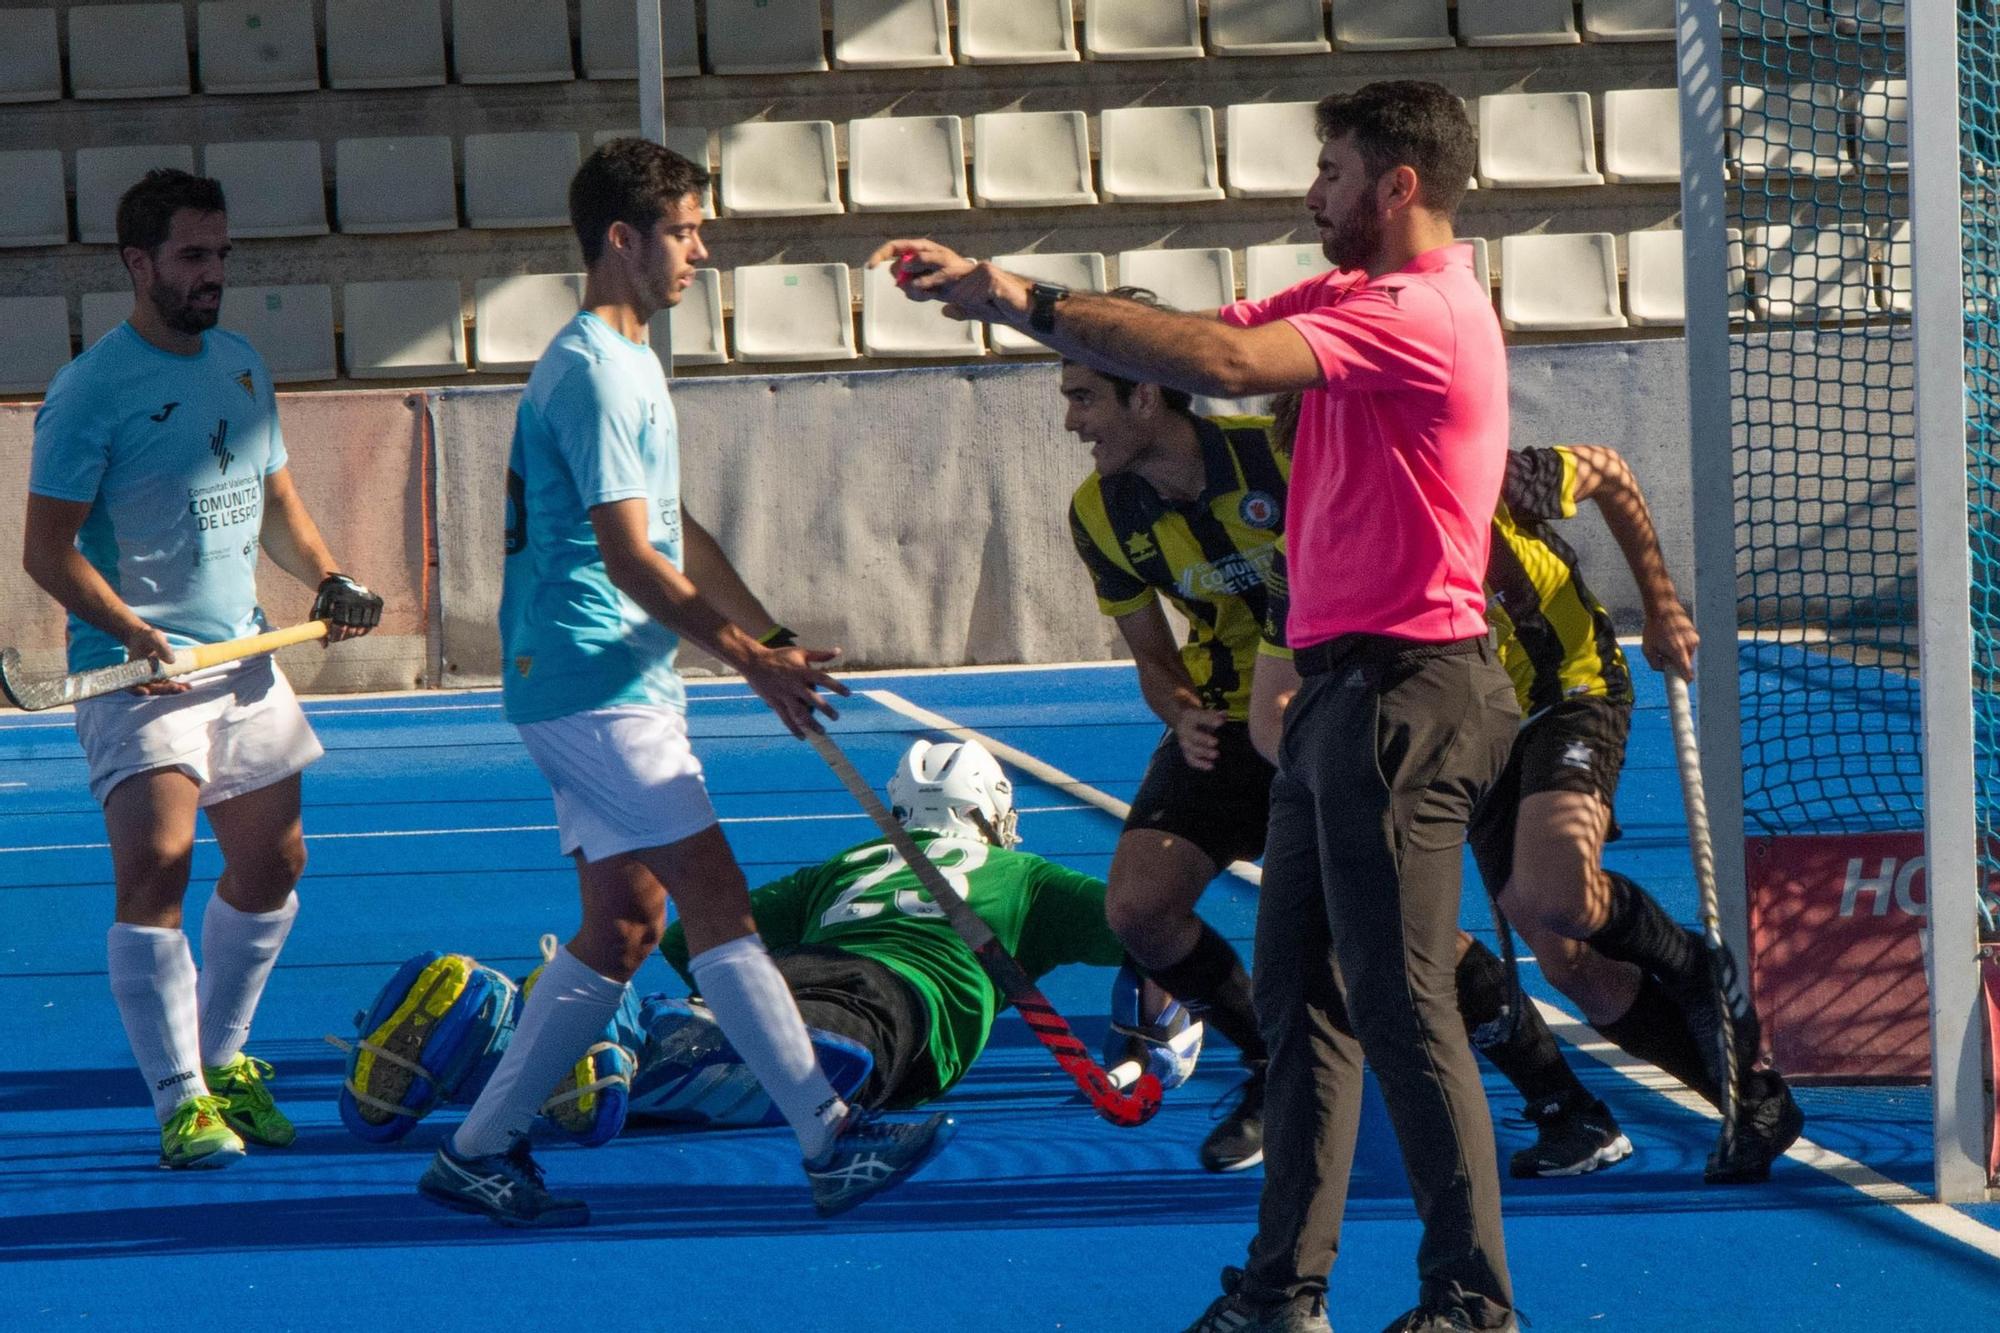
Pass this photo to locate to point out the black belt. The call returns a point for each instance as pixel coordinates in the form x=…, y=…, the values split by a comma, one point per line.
x=1379, y=650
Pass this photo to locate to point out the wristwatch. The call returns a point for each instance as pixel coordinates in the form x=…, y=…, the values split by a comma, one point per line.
x=1042, y=298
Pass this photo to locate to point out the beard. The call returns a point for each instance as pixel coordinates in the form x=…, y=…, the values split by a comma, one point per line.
x=1355, y=239
x=177, y=309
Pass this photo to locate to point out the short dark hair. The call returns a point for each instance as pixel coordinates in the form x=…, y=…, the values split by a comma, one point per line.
x=1177, y=400
x=1402, y=122
x=146, y=211
x=632, y=181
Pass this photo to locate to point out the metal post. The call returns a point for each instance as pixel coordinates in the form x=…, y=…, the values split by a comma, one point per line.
x=653, y=108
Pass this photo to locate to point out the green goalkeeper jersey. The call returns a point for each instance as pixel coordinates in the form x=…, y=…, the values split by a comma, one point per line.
x=867, y=901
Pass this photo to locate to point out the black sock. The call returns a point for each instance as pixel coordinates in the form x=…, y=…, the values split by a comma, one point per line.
x=1522, y=1048
x=1656, y=1030
x=1211, y=982
x=1640, y=932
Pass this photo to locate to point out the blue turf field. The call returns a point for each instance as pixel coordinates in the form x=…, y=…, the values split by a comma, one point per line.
x=429, y=828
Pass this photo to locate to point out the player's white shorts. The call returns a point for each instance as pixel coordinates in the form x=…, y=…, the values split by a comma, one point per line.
x=624, y=778
x=239, y=729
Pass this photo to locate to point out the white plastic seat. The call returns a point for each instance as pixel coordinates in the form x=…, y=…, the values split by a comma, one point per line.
x=514, y=317
x=30, y=60
x=105, y=311
x=1273, y=149
x=1158, y=154
x=906, y=164
x=291, y=328
x=1642, y=135
x=1655, y=278
x=512, y=41
x=1482, y=267
x=34, y=208
x=1866, y=16
x=692, y=330
x=1804, y=273
x=1031, y=159
x=1780, y=19
x=104, y=174
x=384, y=43
x=257, y=46
x=34, y=341
x=1190, y=280
x=519, y=180
x=1883, y=124
x=610, y=39
x=128, y=51
x=890, y=34
x=1016, y=32
x=1628, y=20
x=275, y=187
x=1081, y=272
x=1391, y=25
x=1266, y=27
x=395, y=184
x=1272, y=268
x=794, y=312
x=1898, y=270
x=779, y=169
x=892, y=325
x=1141, y=29
x=765, y=37
x=1536, y=140
x=1797, y=131
x=1559, y=282
x=1517, y=22
x=403, y=330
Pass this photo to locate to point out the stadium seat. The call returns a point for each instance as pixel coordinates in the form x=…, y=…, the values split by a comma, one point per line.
x=1805, y=273
x=1273, y=149
x=1016, y=32
x=403, y=330
x=512, y=41
x=104, y=174
x=690, y=141
x=1031, y=159
x=1642, y=135
x=906, y=164
x=105, y=311
x=1191, y=280
x=128, y=51
x=1883, y=123
x=695, y=335
x=384, y=43
x=1796, y=131
x=1866, y=16
x=765, y=37
x=1272, y=268
x=1391, y=25
x=395, y=184
x=1079, y=272
x=1559, y=282
x=1141, y=29
x=275, y=187
x=1628, y=20
x=1482, y=269
x=611, y=45
x=1655, y=278
x=779, y=169
x=519, y=180
x=1776, y=18
x=291, y=328
x=1517, y=22
x=257, y=46
x=794, y=312
x=1266, y=27
x=1898, y=270
x=34, y=209
x=1536, y=140
x=1158, y=154
x=30, y=60
x=514, y=317
x=892, y=325
x=34, y=341
x=890, y=34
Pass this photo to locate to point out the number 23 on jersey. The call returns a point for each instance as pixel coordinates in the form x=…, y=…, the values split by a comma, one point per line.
x=955, y=858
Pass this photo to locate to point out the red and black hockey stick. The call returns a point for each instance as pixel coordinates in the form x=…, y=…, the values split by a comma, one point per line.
x=1133, y=1107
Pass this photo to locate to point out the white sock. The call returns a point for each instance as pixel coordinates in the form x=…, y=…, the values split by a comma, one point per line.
x=152, y=979
x=761, y=1019
x=238, y=950
x=564, y=1014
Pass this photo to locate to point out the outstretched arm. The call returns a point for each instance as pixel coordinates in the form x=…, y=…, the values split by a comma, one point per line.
x=1602, y=475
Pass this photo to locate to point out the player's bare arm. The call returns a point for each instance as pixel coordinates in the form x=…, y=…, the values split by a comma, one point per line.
x=292, y=540
x=1603, y=476
x=1167, y=687
x=709, y=568
x=50, y=558
x=1271, y=691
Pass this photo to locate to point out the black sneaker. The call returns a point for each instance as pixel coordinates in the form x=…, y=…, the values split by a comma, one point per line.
x=1767, y=1123
x=1237, y=1144
x=868, y=1156
x=1231, y=1313
x=1575, y=1135
x=1447, y=1319
x=506, y=1187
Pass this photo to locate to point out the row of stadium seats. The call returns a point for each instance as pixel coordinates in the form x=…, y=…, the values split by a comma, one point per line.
x=270, y=46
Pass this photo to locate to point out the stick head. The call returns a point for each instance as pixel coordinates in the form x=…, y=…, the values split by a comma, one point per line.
x=11, y=678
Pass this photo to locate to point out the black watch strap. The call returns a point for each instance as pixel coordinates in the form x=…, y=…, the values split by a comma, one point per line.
x=1042, y=298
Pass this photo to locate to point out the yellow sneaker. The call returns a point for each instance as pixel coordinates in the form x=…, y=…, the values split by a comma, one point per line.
x=247, y=1107
x=196, y=1135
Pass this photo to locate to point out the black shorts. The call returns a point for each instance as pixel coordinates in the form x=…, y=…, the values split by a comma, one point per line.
x=1223, y=811
x=1578, y=745
x=860, y=999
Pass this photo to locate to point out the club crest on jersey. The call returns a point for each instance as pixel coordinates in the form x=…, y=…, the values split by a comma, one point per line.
x=247, y=382
x=1576, y=755
x=1140, y=546
x=1259, y=509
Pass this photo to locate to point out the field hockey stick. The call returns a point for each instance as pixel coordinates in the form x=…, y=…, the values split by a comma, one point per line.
x=34, y=695
x=1720, y=969
x=1133, y=1107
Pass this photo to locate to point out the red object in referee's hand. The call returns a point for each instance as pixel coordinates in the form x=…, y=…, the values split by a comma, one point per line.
x=906, y=268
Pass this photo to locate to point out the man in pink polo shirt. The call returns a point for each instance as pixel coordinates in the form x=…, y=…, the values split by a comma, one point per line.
x=1404, y=718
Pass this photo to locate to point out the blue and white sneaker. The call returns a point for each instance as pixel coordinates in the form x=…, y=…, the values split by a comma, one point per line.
x=868, y=1156
x=506, y=1187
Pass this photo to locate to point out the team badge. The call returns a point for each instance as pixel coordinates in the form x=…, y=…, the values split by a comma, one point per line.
x=1140, y=546
x=247, y=381
x=1259, y=510
x=1576, y=755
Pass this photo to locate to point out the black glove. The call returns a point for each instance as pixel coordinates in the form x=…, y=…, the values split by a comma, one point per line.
x=345, y=603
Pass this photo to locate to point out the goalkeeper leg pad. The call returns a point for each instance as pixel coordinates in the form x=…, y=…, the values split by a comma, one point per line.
x=690, y=1074
x=1168, y=1047
x=590, y=1105
x=442, y=1018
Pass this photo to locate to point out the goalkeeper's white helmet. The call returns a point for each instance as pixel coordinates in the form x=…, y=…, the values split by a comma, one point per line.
x=954, y=788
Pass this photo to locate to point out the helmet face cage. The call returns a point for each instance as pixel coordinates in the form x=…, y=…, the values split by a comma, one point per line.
x=958, y=789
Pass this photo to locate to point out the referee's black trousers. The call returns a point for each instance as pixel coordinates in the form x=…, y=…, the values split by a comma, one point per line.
x=1386, y=751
